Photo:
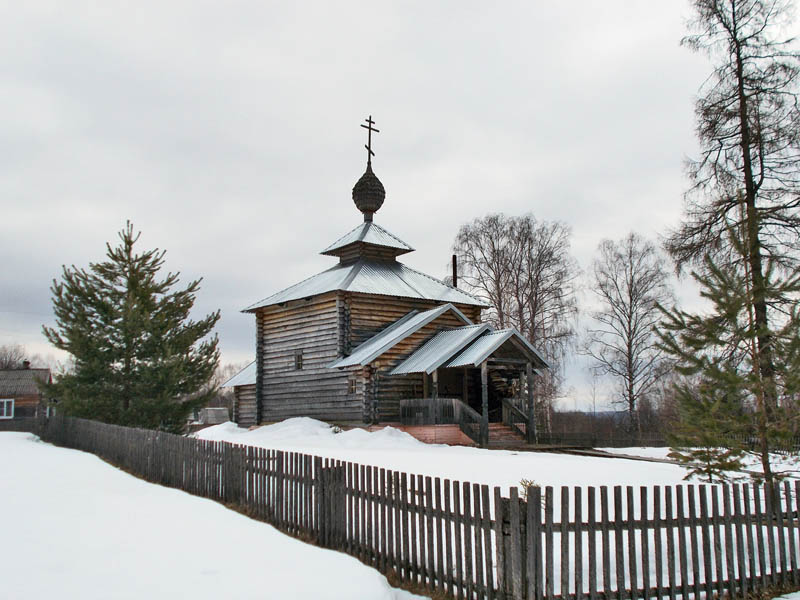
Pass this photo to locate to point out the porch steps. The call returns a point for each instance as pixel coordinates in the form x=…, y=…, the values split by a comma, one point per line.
x=431, y=434
x=502, y=437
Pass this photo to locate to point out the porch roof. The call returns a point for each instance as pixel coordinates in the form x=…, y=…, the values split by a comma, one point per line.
x=394, y=334
x=487, y=344
x=246, y=376
x=437, y=350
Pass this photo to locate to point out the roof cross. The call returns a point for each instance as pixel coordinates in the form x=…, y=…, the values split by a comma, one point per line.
x=369, y=127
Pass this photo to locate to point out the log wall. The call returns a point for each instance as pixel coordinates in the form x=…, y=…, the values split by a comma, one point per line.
x=245, y=413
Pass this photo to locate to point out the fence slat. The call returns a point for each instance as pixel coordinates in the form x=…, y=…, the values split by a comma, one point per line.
x=619, y=556
x=682, y=549
x=578, y=542
x=708, y=574
x=534, y=532
x=459, y=555
x=548, y=531
x=467, y=520
x=730, y=556
x=763, y=570
x=516, y=544
x=605, y=542
x=487, y=542
x=645, y=542
x=630, y=515
x=790, y=530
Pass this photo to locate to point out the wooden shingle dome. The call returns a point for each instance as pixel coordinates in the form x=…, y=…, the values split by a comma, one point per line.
x=368, y=193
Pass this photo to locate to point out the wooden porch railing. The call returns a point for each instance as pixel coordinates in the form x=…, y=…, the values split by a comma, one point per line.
x=444, y=411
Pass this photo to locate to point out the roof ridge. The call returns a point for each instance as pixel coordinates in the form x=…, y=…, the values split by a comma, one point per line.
x=391, y=235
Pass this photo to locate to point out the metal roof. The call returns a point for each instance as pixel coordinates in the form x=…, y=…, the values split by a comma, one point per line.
x=437, y=350
x=369, y=233
x=22, y=382
x=485, y=345
x=394, y=334
x=246, y=376
x=372, y=277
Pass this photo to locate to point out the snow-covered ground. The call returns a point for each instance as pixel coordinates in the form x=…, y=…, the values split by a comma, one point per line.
x=788, y=464
x=76, y=527
x=394, y=449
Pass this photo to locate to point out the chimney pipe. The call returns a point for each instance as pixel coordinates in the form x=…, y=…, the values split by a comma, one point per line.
x=455, y=271
x=26, y=364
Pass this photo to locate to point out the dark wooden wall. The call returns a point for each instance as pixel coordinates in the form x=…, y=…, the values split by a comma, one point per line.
x=327, y=327
x=244, y=405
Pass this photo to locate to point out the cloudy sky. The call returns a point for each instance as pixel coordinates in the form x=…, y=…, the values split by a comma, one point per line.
x=229, y=133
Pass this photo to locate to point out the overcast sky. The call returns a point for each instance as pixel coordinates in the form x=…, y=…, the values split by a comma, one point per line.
x=229, y=133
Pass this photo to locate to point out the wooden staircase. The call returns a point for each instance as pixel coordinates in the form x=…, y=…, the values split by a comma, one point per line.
x=502, y=437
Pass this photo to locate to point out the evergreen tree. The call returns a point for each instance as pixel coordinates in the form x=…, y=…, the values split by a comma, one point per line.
x=723, y=399
x=139, y=359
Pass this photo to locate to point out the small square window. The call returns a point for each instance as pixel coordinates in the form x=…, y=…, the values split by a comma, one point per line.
x=7, y=408
x=298, y=359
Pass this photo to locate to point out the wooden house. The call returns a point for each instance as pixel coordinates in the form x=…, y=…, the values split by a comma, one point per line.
x=19, y=392
x=372, y=341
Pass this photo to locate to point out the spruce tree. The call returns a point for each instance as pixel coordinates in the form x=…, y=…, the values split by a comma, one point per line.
x=139, y=359
x=724, y=399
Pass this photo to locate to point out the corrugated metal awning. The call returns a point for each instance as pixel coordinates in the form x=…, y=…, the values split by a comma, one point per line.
x=246, y=376
x=488, y=343
x=437, y=350
x=394, y=334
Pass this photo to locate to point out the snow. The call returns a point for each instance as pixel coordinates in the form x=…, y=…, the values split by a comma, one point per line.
x=394, y=449
x=75, y=527
x=782, y=463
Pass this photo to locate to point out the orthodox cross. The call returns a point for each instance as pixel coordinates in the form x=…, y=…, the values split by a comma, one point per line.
x=369, y=127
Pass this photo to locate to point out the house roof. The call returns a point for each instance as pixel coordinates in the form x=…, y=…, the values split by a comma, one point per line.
x=394, y=334
x=369, y=233
x=246, y=376
x=487, y=344
x=372, y=277
x=22, y=382
x=437, y=350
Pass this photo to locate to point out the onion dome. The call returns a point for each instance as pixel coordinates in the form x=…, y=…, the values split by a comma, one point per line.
x=368, y=193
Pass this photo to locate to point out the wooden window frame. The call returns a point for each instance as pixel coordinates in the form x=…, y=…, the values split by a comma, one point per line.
x=298, y=360
x=352, y=385
x=4, y=412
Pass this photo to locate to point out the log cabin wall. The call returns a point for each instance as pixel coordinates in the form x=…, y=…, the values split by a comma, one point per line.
x=369, y=314
x=245, y=413
x=307, y=329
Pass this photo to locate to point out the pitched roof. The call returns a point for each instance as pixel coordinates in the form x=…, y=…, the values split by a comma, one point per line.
x=372, y=277
x=369, y=233
x=484, y=346
x=437, y=350
x=246, y=376
x=394, y=334
x=22, y=382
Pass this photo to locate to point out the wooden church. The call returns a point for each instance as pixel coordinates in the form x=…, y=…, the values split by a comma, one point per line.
x=372, y=341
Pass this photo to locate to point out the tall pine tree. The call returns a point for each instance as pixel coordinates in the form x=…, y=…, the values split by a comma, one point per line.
x=139, y=359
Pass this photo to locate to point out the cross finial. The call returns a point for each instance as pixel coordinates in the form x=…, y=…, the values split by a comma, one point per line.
x=369, y=127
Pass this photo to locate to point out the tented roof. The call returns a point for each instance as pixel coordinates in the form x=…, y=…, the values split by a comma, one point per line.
x=369, y=233
x=394, y=334
x=372, y=277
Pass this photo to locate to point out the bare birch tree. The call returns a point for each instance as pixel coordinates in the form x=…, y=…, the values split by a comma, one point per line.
x=523, y=269
x=630, y=279
x=11, y=356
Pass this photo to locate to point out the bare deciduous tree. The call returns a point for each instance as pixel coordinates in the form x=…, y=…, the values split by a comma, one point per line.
x=11, y=356
x=630, y=279
x=523, y=269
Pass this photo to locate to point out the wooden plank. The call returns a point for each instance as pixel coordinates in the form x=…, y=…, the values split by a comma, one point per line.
x=591, y=527
x=429, y=528
x=618, y=544
x=791, y=530
x=645, y=541
x=459, y=555
x=448, y=568
x=630, y=515
x=578, y=542
x=693, y=522
x=738, y=517
x=548, y=542
x=385, y=514
x=503, y=586
x=515, y=527
x=413, y=538
x=730, y=556
x=467, y=508
x=769, y=531
x=708, y=574
x=780, y=532
x=564, y=542
x=606, y=544
x=658, y=541
x=401, y=523
x=370, y=513
x=753, y=579
x=718, y=519
x=535, y=555
x=478, y=535
x=763, y=568
x=487, y=542
x=682, y=550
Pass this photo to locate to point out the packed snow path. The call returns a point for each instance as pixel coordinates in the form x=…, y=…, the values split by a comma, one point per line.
x=75, y=527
